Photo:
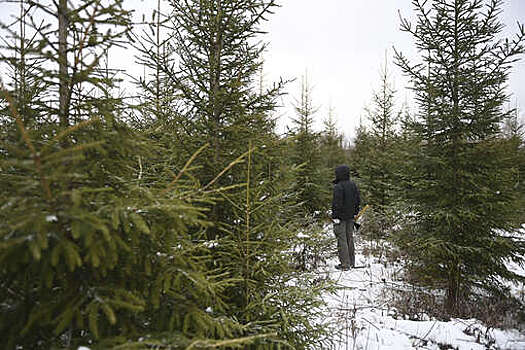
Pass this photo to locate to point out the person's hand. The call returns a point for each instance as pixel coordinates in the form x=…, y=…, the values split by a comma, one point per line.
x=336, y=221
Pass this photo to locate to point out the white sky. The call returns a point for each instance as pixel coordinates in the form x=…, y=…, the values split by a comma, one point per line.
x=342, y=45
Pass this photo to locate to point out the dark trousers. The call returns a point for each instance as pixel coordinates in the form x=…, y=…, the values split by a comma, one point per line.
x=344, y=231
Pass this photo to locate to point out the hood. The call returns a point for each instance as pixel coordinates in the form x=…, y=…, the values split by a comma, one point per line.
x=342, y=172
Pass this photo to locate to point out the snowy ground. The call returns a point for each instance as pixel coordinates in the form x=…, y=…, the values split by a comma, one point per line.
x=361, y=308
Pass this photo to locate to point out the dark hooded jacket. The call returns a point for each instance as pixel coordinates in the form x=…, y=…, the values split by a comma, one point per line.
x=346, y=200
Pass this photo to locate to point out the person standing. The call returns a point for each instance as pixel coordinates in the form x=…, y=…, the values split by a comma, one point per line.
x=345, y=206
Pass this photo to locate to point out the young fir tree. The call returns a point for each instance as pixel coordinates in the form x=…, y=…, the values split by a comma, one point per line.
x=464, y=174
x=156, y=110
x=305, y=150
x=316, y=246
x=359, y=143
x=513, y=133
x=332, y=143
x=378, y=167
x=93, y=251
x=219, y=57
x=258, y=250
x=407, y=141
x=311, y=182
x=357, y=153
x=157, y=93
x=376, y=158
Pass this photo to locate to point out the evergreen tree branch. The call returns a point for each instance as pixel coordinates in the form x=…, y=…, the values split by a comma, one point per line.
x=25, y=136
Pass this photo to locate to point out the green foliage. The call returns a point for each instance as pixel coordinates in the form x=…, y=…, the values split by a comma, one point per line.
x=333, y=149
x=464, y=174
x=90, y=253
x=304, y=145
x=104, y=234
x=377, y=159
x=513, y=132
x=217, y=104
x=219, y=59
x=259, y=252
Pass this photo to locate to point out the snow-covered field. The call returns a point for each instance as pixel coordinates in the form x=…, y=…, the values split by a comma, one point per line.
x=362, y=310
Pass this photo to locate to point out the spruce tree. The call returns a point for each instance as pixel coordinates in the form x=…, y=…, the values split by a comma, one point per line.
x=93, y=250
x=157, y=93
x=513, y=132
x=332, y=143
x=379, y=153
x=305, y=150
x=463, y=173
x=219, y=58
x=221, y=107
x=381, y=161
x=359, y=146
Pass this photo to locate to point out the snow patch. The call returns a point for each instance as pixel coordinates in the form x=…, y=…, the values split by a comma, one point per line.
x=51, y=218
x=361, y=310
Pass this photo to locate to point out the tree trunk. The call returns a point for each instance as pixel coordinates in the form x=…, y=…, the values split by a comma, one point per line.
x=215, y=123
x=62, y=59
x=453, y=289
